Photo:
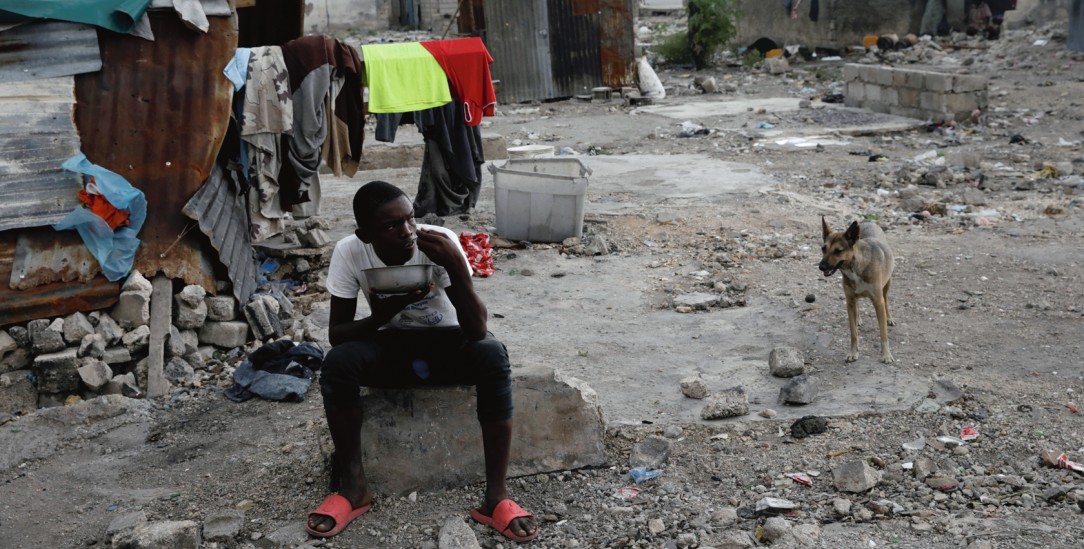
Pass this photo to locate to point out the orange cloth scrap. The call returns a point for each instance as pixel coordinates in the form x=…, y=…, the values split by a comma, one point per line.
x=103, y=209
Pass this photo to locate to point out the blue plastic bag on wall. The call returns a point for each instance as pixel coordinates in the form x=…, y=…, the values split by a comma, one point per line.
x=114, y=250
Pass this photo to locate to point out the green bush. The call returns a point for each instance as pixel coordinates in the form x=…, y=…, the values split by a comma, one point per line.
x=712, y=24
x=674, y=48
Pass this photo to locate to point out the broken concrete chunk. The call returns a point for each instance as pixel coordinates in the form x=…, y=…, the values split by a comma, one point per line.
x=188, y=312
x=16, y=360
x=192, y=295
x=92, y=345
x=116, y=355
x=729, y=403
x=17, y=393
x=224, y=334
x=137, y=283
x=263, y=318
x=786, y=362
x=125, y=522
x=77, y=325
x=95, y=373
x=7, y=343
x=855, y=476
x=698, y=301
x=799, y=390
x=312, y=237
x=693, y=387
x=20, y=335
x=652, y=452
x=133, y=309
x=137, y=339
x=179, y=371
x=42, y=338
x=108, y=328
x=221, y=308
x=174, y=343
x=181, y=534
x=57, y=372
x=223, y=525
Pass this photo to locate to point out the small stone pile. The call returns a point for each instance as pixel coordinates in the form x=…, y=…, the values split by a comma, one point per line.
x=52, y=362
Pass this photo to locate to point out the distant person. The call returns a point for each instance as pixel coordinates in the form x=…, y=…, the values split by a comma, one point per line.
x=433, y=336
x=979, y=19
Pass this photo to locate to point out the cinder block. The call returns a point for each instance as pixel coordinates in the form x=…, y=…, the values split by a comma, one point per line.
x=890, y=96
x=908, y=112
x=931, y=101
x=899, y=78
x=907, y=97
x=17, y=393
x=851, y=72
x=877, y=106
x=429, y=437
x=856, y=92
x=56, y=372
x=865, y=74
x=884, y=76
x=969, y=83
x=224, y=334
x=916, y=80
x=873, y=92
x=960, y=102
x=936, y=82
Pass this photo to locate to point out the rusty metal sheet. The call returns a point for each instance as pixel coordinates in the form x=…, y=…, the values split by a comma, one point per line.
x=46, y=256
x=517, y=37
x=47, y=50
x=574, y=46
x=220, y=211
x=156, y=114
x=617, y=42
x=36, y=136
x=49, y=300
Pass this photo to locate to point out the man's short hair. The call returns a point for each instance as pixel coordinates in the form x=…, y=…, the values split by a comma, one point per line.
x=371, y=196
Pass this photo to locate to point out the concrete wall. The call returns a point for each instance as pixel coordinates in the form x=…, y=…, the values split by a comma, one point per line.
x=332, y=16
x=924, y=95
x=841, y=22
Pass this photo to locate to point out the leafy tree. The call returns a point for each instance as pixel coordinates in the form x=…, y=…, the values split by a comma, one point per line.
x=712, y=23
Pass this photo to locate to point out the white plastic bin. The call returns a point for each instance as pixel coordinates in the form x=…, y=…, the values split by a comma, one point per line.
x=540, y=199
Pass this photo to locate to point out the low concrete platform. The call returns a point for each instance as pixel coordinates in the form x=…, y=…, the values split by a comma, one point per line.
x=429, y=437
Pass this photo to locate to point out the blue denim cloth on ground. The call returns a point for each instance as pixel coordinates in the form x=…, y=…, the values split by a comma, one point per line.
x=277, y=371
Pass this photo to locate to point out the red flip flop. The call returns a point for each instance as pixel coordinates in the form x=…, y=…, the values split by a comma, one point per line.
x=503, y=514
x=338, y=509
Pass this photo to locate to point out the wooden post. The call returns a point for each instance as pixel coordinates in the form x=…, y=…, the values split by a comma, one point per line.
x=161, y=316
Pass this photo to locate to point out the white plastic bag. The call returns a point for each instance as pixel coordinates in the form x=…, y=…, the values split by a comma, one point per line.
x=650, y=85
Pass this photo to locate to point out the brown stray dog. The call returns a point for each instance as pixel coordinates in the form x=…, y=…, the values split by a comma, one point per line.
x=862, y=254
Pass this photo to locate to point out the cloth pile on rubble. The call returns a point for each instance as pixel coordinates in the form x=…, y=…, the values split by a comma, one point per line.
x=279, y=371
x=304, y=103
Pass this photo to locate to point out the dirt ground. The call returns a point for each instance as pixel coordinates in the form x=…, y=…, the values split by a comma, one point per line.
x=987, y=297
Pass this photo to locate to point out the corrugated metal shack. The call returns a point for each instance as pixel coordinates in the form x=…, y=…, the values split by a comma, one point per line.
x=154, y=112
x=546, y=49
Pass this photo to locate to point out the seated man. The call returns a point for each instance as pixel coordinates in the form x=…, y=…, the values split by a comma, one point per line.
x=433, y=336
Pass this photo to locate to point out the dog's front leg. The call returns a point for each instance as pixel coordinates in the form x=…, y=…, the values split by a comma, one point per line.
x=882, y=320
x=852, y=321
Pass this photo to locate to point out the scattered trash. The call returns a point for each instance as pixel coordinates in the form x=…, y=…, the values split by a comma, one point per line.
x=950, y=442
x=832, y=98
x=690, y=129
x=764, y=125
x=1072, y=407
x=626, y=492
x=800, y=478
x=650, y=85
x=838, y=453
x=916, y=444
x=479, y=252
x=878, y=158
x=642, y=474
x=1018, y=139
x=775, y=505
x=968, y=433
x=1061, y=461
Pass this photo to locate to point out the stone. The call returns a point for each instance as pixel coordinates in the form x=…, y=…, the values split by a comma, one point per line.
x=137, y=339
x=228, y=334
x=191, y=296
x=808, y=426
x=77, y=325
x=57, y=372
x=855, y=476
x=423, y=429
x=124, y=385
x=20, y=335
x=725, y=516
x=291, y=535
x=707, y=84
x=223, y=525
x=91, y=346
x=596, y=245
x=841, y=507
x=175, y=346
x=697, y=301
x=777, y=65
x=175, y=534
x=944, y=484
x=133, y=309
x=729, y=403
x=108, y=328
x=95, y=373
x=312, y=237
x=799, y=390
x=221, y=308
x=262, y=315
x=95, y=409
x=731, y=539
x=455, y=533
x=7, y=343
x=18, y=359
x=686, y=539
x=656, y=526
x=924, y=467
x=17, y=393
x=178, y=371
x=693, y=387
x=946, y=392
x=137, y=283
x=43, y=339
x=116, y=355
x=124, y=523
x=786, y=362
x=652, y=452
x=190, y=338
x=768, y=506
x=776, y=528
x=187, y=316
x=927, y=406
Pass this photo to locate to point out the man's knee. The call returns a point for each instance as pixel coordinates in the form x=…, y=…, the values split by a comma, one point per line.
x=490, y=355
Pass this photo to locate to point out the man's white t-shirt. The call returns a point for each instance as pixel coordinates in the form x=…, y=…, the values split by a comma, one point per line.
x=346, y=279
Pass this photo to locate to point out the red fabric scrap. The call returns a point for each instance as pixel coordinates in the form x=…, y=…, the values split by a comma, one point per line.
x=466, y=62
x=479, y=252
x=103, y=209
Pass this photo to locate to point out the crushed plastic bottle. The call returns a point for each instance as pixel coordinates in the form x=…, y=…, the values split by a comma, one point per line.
x=642, y=474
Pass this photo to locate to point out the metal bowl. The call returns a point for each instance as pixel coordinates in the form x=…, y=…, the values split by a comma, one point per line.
x=398, y=279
